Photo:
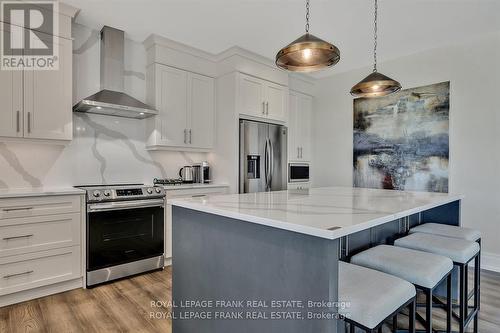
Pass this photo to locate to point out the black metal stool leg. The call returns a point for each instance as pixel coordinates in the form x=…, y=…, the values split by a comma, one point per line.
x=352, y=329
x=478, y=264
x=428, y=311
x=411, y=316
x=395, y=323
x=449, y=307
x=466, y=288
x=462, y=298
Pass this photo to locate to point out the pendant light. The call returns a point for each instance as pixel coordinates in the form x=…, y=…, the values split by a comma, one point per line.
x=307, y=53
x=375, y=84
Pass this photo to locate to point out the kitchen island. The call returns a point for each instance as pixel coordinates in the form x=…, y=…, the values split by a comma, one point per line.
x=268, y=262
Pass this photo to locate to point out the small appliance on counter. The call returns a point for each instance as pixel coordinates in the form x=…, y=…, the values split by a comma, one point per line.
x=202, y=173
x=125, y=230
x=186, y=173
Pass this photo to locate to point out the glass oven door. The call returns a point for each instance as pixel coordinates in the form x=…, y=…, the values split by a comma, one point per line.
x=119, y=235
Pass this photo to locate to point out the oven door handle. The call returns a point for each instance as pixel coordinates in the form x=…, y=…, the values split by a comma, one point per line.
x=108, y=206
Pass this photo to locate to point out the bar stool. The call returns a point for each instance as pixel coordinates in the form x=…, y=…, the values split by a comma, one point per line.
x=374, y=297
x=448, y=231
x=462, y=252
x=425, y=270
x=455, y=232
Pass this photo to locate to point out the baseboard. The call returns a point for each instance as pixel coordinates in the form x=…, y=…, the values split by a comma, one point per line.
x=30, y=294
x=490, y=262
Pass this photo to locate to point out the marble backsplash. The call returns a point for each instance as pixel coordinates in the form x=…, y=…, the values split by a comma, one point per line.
x=104, y=149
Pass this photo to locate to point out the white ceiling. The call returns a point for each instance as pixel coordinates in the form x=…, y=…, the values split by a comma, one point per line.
x=264, y=26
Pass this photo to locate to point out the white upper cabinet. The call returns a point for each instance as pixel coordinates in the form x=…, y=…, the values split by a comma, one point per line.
x=276, y=101
x=201, y=111
x=47, y=98
x=11, y=115
x=172, y=105
x=299, y=127
x=36, y=104
x=261, y=98
x=252, y=100
x=186, y=105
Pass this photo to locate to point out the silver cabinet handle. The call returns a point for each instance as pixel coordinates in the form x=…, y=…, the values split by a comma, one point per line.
x=16, y=209
x=301, y=152
x=185, y=136
x=298, y=152
x=263, y=107
x=190, y=137
x=18, y=119
x=17, y=237
x=198, y=196
x=17, y=274
x=267, y=108
x=29, y=122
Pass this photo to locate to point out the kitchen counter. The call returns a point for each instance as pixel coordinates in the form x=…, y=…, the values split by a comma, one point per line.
x=285, y=246
x=330, y=212
x=38, y=192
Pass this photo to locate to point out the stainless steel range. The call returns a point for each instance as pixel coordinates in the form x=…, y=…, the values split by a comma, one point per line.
x=125, y=230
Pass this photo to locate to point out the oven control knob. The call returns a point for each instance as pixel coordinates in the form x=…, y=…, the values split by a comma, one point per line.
x=107, y=193
x=97, y=194
x=158, y=190
x=150, y=190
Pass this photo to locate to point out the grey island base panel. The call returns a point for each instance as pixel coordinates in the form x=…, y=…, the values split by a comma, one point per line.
x=233, y=276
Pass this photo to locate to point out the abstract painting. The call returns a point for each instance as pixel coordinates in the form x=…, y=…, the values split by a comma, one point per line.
x=401, y=141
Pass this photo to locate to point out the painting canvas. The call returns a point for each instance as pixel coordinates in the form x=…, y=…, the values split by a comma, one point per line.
x=401, y=141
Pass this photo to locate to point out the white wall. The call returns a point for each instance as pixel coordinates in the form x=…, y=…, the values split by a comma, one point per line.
x=474, y=71
x=104, y=149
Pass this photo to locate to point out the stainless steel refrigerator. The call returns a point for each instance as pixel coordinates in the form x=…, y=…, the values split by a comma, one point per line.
x=263, y=160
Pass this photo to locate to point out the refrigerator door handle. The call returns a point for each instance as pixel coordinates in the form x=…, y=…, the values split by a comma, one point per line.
x=266, y=165
x=271, y=164
x=269, y=156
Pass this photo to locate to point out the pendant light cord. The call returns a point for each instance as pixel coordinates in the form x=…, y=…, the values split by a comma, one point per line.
x=307, y=16
x=375, y=30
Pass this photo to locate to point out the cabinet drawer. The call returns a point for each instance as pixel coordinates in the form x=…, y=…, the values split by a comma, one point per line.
x=39, y=269
x=195, y=192
x=38, y=206
x=39, y=233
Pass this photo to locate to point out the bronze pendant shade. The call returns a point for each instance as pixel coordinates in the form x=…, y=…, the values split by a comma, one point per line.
x=307, y=53
x=375, y=84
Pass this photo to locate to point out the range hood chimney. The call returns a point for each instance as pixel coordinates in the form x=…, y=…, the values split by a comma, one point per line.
x=111, y=100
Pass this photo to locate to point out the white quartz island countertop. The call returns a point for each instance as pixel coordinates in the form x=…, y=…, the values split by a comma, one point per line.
x=329, y=212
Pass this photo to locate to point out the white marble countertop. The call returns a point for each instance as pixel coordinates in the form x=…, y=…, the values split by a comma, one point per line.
x=329, y=212
x=192, y=186
x=37, y=192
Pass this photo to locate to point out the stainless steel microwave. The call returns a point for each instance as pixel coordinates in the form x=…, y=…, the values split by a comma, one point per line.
x=298, y=172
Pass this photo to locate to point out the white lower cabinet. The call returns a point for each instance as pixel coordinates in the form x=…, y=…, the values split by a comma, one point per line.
x=40, y=246
x=183, y=193
x=299, y=186
x=32, y=270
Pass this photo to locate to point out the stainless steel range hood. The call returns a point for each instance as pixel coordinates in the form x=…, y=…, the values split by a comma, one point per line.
x=111, y=100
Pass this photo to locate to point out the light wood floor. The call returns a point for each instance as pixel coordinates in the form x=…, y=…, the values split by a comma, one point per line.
x=125, y=306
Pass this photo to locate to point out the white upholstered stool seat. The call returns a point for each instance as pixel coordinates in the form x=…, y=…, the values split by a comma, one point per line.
x=373, y=295
x=458, y=250
x=420, y=268
x=448, y=231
